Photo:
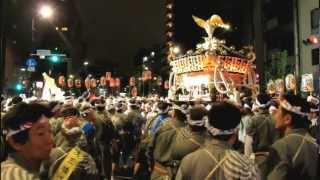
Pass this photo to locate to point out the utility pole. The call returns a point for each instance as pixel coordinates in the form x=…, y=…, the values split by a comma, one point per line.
x=3, y=22
x=296, y=37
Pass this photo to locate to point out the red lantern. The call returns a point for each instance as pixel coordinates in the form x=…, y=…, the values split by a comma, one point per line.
x=103, y=81
x=93, y=83
x=78, y=83
x=25, y=83
x=134, y=92
x=149, y=75
x=87, y=82
x=166, y=84
x=146, y=75
x=112, y=82
x=117, y=82
x=62, y=81
x=132, y=81
x=70, y=83
x=108, y=76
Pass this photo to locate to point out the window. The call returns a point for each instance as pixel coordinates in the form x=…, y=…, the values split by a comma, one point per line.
x=315, y=56
x=315, y=18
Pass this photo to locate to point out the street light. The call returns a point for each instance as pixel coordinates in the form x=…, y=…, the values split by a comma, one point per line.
x=46, y=11
x=86, y=63
x=176, y=50
x=145, y=59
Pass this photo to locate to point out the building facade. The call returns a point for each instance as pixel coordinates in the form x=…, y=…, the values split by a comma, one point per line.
x=281, y=30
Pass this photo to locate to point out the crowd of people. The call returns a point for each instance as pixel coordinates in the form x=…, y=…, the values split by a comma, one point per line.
x=87, y=137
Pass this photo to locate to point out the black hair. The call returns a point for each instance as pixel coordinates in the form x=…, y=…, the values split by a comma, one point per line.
x=224, y=115
x=16, y=100
x=297, y=121
x=180, y=115
x=21, y=114
x=69, y=111
x=52, y=104
x=80, y=100
x=264, y=98
x=163, y=105
x=197, y=113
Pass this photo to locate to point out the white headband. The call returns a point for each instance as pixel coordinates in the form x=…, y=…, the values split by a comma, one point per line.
x=184, y=111
x=100, y=105
x=199, y=123
x=295, y=109
x=259, y=105
x=23, y=127
x=216, y=132
x=246, y=106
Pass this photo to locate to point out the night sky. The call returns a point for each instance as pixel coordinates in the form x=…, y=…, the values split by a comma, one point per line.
x=115, y=30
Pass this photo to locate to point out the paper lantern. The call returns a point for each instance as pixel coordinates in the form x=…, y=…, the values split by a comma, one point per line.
x=117, y=82
x=279, y=86
x=62, y=81
x=166, y=84
x=307, y=83
x=112, y=82
x=25, y=82
x=271, y=87
x=132, y=81
x=108, y=76
x=134, y=92
x=146, y=75
x=103, y=81
x=149, y=75
x=77, y=83
x=87, y=83
x=70, y=83
x=291, y=83
x=93, y=83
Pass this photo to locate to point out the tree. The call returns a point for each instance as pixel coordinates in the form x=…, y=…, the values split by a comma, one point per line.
x=278, y=66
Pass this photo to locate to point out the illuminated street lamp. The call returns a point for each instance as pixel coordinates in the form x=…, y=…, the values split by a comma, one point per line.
x=86, y=63
x=176, y=50
x=46, y=11
x=145, y=59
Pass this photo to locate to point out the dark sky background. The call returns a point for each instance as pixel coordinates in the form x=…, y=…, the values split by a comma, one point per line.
x=115, y=30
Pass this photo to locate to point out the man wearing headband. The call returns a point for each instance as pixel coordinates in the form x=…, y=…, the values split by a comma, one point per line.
x=159, y=148
x=163, y=109
x=295, y=156
x=217, y=160
x=28, y=140
x=190, y=138
x=69, y=159
x=260, y=130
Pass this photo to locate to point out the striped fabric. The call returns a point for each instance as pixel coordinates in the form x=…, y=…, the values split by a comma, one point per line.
x=12, y=171
x=238, y=166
